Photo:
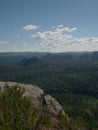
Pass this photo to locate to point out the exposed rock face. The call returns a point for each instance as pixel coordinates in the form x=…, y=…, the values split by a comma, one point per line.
x=37, y=96
x=53, y=105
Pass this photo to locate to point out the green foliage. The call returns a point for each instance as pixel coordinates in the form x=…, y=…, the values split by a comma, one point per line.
x=63, y=122
x=15, y=111
x=83, y=109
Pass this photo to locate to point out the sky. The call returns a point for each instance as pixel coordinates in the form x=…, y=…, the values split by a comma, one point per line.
x=48, y=25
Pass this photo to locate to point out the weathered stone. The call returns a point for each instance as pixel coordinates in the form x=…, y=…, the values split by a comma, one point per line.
x=53, y=105
x=37, y=96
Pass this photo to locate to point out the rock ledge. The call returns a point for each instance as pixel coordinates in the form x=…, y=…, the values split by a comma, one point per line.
x=37, y=96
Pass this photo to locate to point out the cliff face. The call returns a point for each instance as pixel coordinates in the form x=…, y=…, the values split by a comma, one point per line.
x=38, y=97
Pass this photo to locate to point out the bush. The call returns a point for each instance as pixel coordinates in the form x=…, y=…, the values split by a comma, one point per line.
x=15, y=110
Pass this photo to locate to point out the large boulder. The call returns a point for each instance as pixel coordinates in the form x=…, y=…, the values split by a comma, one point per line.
x=37, y=96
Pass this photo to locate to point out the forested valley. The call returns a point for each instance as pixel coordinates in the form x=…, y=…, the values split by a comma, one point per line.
x=72, y=78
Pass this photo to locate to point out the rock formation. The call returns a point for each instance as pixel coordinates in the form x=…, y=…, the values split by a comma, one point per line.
x=37, y=96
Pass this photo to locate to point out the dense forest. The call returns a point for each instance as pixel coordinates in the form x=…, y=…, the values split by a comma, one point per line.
x=72, y=78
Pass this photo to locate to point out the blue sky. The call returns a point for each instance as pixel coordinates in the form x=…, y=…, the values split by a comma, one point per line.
x=48, y=25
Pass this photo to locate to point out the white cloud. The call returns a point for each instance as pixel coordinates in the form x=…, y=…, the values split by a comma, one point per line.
x=94, y=39
x=65, y=29
x=2, y=42
x=59, y=38
x=61, y=28
x=56, y=37
x=38, y=35
x=30, y=27
x=87, y=40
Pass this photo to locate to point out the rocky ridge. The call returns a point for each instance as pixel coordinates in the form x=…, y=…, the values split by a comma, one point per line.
x=37, y=96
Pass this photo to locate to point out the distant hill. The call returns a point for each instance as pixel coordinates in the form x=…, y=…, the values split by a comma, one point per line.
x=30, y=61
x=8, y=58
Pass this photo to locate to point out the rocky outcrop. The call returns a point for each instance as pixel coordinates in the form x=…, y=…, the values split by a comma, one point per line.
x=37, y=96
x=53, y=105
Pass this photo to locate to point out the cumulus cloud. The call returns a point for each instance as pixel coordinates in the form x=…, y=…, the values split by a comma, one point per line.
x=65, y=29
x=61, y=28
x=61, y=37
x=86, y=40
x=54, y=37
x=30, y=27
x=94, y=39
x=2, y=42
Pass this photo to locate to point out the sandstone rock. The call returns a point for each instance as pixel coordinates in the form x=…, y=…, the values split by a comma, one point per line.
x=37, y=96
x=53, y=105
